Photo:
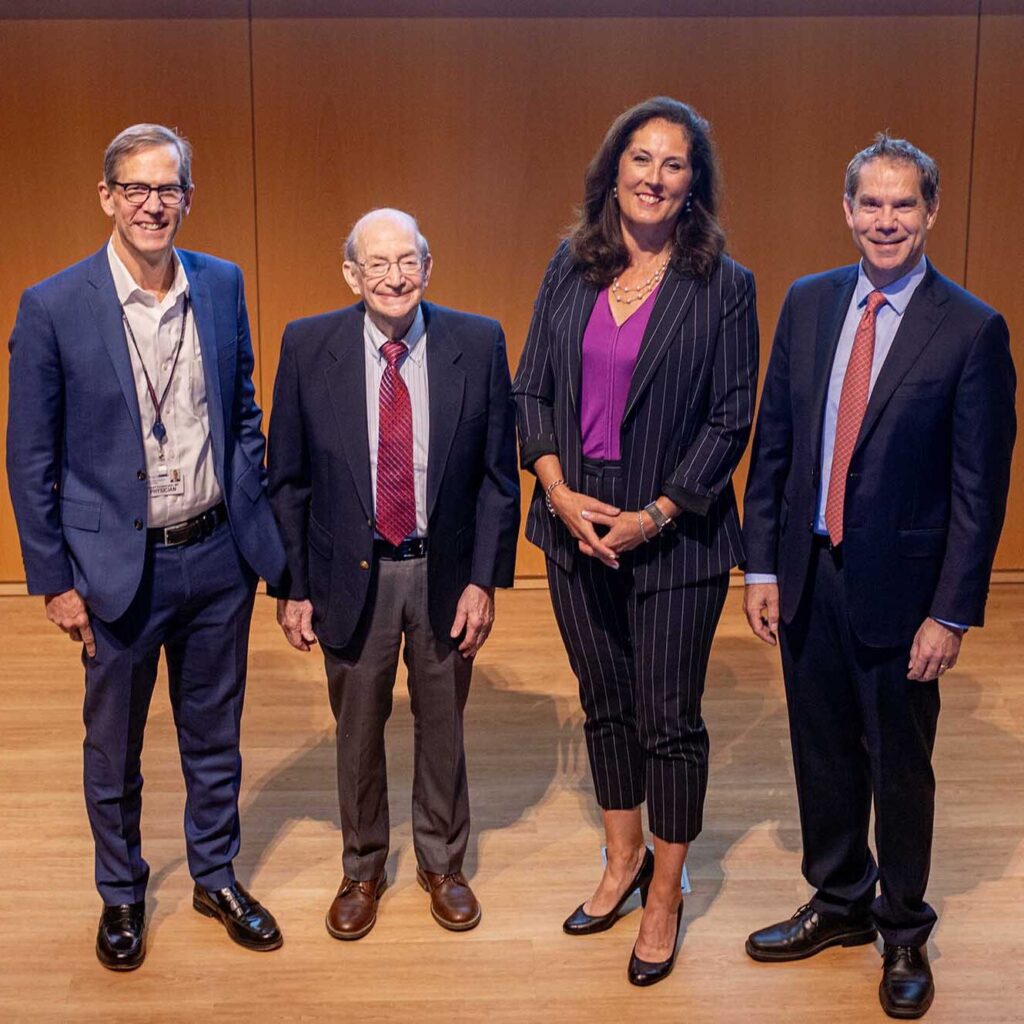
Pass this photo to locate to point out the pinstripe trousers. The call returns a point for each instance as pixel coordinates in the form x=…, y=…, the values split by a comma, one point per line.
x=640, y=660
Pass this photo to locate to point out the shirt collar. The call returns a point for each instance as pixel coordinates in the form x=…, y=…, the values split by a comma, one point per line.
x=128, y=289
x=896, y=294
x=412, y=339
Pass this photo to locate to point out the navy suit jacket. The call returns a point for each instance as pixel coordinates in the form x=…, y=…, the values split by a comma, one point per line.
x=927, y=484
x=687, y=419
x=75, y=458
x=319, y=464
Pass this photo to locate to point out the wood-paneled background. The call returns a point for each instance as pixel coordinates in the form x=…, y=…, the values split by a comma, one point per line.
x=479, y=116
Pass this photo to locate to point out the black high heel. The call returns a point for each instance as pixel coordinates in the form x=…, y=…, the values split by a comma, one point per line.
x=579, y=922
x=642, y=972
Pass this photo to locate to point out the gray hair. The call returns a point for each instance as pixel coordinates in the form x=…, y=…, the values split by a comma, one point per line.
x=885, y=147
x=349, y=249
x=142, y=136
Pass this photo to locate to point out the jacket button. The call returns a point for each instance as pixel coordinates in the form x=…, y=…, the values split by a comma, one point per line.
x=141, y=474
x=138, y=524
x=364, y=564
x=369, y=522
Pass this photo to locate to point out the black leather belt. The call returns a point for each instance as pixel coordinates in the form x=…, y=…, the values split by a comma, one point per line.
x=411, y=547
x=190, y=530
x=823, y=542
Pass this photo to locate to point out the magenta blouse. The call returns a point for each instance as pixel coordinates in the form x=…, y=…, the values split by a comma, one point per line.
x=609, y=355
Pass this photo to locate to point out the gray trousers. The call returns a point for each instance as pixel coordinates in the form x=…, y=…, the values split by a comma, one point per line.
x=360, y=680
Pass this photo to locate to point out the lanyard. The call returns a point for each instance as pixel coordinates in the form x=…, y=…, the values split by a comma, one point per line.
x=159, y=430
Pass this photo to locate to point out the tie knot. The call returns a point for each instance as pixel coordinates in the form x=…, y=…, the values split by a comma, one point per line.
x=394, y=350
x=875, y=299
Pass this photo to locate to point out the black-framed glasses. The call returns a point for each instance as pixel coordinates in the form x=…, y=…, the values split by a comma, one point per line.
x=377, y=266
x=137, y=192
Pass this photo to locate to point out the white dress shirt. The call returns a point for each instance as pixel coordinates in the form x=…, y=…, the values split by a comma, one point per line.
x=184, y=462
x=413, y=371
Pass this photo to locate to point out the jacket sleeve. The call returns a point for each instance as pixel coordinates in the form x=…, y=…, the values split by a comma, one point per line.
x=35, y=431
x=984, y=430
x=534, y=387
x=497, y=503
x=708, y=463
x=770, y=458
x=290, y=474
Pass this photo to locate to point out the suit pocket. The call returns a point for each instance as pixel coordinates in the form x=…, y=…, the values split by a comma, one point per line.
x=920, y=389
x=922, y=543
x=320, y=539
x=81, y=515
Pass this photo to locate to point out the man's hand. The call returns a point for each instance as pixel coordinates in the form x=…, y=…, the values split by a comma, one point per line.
x=934, y=650
x=475, y=614
x=296, y=620
x=68, y=611
x=761, y=606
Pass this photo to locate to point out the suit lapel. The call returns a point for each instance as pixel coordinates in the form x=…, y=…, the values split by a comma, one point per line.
x=918, y=324
x=202, y=309
x=446, y=384
x=106, y=311
x=581, y=305
x=832, y=308
x=346, y=387
x=670, y=308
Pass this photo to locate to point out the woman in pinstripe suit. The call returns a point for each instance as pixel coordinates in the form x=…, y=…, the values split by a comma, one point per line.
x=635, y=394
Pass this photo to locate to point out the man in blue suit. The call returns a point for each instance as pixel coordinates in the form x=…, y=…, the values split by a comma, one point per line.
x=874, y=503
x=393, y=478
x=135, y=461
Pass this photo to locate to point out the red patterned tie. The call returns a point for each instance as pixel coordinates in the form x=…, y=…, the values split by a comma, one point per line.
x=853, y=401
x=396, y=495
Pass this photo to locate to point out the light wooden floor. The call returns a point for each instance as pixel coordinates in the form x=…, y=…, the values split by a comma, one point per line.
x=533, y=857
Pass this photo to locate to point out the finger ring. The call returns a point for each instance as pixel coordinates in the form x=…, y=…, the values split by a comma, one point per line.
x=943, y=666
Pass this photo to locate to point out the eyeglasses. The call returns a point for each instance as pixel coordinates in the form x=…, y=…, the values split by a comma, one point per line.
x=377, y=266
x=137, y=194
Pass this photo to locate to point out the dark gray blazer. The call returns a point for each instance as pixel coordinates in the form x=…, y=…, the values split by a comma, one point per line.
x=319, y=465
x=687, y=418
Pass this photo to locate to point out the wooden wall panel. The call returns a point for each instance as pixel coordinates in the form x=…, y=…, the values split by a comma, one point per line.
x=68, y=88
x=483, y=127
x=995, y=255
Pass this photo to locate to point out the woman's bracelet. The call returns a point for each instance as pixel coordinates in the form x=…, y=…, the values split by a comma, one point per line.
x=547, y=494
x=640, y=523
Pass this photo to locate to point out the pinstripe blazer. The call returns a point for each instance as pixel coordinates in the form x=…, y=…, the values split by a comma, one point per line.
x=686, y=423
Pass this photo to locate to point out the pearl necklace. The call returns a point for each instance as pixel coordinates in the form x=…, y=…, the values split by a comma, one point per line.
x=623, y=293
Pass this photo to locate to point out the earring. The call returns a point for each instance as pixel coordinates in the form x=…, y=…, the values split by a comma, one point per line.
x=615, y=191
x=688, y=205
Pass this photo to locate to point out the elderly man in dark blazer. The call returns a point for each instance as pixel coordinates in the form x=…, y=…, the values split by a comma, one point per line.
x=874, y=504
x=393, y=478
x=135, y=460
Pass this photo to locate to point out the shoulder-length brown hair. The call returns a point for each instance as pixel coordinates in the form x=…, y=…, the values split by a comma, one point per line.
x=595, y=240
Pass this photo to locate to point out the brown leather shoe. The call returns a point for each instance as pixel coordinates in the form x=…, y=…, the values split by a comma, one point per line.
x=451, y=900
x=354, y=910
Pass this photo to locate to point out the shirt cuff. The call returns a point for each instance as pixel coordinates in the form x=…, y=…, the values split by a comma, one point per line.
x=759, y=577
x=958, y=626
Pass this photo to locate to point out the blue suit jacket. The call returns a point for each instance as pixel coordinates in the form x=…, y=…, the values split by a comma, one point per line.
x=687, y=419
x=320, y=465
x=75, y=459
x=927, y=484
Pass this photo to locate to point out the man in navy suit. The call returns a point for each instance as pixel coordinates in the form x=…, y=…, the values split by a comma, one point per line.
x=135, y=461
x=875, y=499
x=393, y=478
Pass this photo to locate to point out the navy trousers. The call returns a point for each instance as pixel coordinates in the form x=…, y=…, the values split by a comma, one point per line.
x=861, y=733
x=641, y=660
x=195, y=602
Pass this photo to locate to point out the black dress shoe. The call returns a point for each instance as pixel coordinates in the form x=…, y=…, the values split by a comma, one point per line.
x=808, y=932
x=121, y=938
x=248, y=922
x=579, y=922
x=907, y=989
x=643, y=972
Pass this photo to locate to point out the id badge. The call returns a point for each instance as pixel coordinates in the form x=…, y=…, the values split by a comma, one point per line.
x=166, y=482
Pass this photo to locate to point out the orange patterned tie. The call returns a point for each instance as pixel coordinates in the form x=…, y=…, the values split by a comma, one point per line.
x=853, y=401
